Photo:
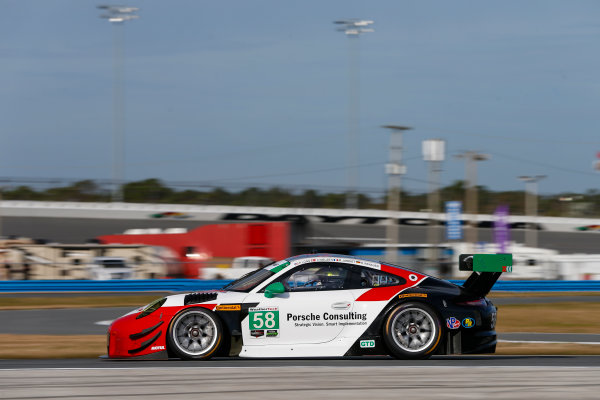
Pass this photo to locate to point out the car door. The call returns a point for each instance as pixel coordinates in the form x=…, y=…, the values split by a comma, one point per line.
x=315, y=307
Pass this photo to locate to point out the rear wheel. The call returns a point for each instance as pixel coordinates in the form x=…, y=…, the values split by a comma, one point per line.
x=195, y=334
x=412, y=330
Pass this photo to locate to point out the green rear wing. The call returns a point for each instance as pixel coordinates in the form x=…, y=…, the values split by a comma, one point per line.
x=486, y=268
x=485, y=262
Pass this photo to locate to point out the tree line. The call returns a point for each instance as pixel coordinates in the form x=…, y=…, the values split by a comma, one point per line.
x=156, y=191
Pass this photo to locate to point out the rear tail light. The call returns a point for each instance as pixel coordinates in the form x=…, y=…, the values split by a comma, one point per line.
x=478, y=302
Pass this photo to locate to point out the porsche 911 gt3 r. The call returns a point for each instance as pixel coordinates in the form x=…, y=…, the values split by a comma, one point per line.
x=320, y=305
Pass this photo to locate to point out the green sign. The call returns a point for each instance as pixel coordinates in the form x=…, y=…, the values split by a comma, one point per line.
x=264, y=318
x=367, y=344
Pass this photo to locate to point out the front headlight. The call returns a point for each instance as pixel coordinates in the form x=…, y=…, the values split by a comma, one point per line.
x=150, y=308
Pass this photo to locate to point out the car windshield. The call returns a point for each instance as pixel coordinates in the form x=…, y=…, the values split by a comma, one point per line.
x=249, y=281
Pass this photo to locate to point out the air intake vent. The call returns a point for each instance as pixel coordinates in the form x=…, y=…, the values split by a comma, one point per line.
x=195, y=298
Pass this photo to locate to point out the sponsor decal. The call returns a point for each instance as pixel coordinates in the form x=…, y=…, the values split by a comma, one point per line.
x=367, y=263
x=367, y=344
x=157, y=348
x=229, y=307
x=327, y=317
x=335, y=259
x=468, y=322
x=261, y=318
x=332, y=259
x=507, y=268
x=452, y=323
x=300, y=262
x=405, y=295
x=275, y=268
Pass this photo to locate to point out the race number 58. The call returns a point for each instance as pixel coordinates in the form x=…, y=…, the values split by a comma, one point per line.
x=264, y=319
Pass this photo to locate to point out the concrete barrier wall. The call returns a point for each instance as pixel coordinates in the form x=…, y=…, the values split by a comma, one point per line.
x=21, y=208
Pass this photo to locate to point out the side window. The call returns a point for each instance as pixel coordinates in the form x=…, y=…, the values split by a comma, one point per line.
x=317, y=276
x=370, y=278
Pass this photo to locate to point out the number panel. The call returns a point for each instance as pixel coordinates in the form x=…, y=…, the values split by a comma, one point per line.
x=264, y=319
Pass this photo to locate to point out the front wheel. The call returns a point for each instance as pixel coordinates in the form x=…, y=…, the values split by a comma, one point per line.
x=195, y=334
x=413, y=331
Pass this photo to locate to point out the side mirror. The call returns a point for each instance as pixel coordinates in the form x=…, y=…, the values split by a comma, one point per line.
x=273, y=289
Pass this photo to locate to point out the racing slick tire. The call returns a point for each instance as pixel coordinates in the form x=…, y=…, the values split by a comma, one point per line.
x=413, y=331
x=195, y=334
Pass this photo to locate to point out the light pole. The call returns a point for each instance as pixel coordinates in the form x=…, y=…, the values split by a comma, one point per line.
x=471, y=158
x=395, y=169
x=434, y=151
x=117, y=15
x=531, y=187
x=353, y=28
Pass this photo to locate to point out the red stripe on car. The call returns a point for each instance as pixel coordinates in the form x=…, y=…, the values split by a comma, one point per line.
x=380, y=293
x=387, y=292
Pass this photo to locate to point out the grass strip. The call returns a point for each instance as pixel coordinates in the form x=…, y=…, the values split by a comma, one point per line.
x=27, y=303
x=568, y=317
x=547, y=349
x=51, y=346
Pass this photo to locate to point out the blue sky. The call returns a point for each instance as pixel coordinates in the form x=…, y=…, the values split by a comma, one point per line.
x=256, y=92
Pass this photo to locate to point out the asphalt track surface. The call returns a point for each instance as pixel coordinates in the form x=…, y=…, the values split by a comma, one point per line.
x=370, y=361
x=493, y=377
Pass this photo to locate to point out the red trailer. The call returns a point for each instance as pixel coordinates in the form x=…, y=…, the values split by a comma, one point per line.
x=199, y=246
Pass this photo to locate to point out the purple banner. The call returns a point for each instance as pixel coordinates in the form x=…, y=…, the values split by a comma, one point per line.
x=501, y=230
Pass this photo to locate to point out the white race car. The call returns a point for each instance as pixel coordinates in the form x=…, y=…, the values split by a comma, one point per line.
x=316, y=305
